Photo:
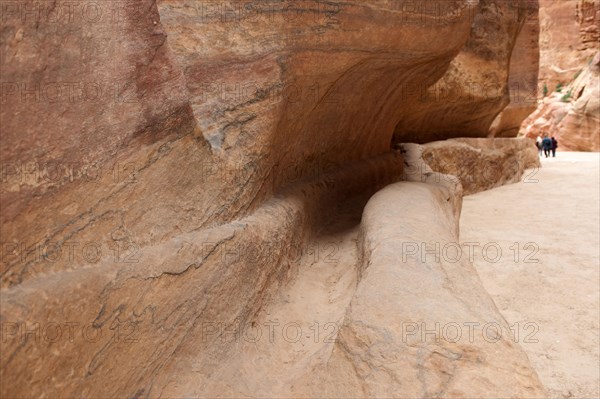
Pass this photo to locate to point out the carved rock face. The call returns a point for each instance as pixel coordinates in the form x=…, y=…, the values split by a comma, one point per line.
x=523, y=78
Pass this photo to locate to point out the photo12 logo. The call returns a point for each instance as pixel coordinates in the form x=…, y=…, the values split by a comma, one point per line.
x=471, y=332
x=453, y=252
x=270, y=331
x=35, y=173
x=70, y=252
x=271, y=252
x=74, y=92
x=21, y=332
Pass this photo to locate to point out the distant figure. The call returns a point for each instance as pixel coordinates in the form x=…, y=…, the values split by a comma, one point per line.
x=554, y=146
x=547, y=145
x=538, y=144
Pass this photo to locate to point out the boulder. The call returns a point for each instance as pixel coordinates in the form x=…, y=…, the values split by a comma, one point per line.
x=482, y=164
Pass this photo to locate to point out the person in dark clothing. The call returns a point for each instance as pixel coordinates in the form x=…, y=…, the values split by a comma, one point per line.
x=547, y=145
x=554, y=146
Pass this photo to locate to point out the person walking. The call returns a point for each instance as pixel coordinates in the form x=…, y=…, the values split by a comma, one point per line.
x=538, y=144
x=547, y=144
x=554, y=146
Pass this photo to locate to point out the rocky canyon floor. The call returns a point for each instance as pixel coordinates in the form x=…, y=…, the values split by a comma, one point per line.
x=547, y=289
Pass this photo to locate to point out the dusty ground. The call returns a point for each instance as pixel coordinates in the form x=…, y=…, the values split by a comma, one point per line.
x=549, y=289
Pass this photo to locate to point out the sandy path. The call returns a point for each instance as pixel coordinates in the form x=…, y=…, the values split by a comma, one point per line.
x=553, y=281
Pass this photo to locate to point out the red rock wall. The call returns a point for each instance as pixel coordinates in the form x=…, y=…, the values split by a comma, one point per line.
x=574, y=120
x=569, y=39
x=569, y=47
x=215, y=109
x=303, y=86
x=95, y=124
x=474, y=90
x=522, y=79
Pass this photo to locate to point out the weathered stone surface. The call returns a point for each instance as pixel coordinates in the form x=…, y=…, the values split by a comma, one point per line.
x=141, y=323
x=95, y=125
x=580, y=128
x=474, y=90
x=377, y=351
x=522, y=79
x=482, y=164
x=572, y=115
x=569, y=39
x=215, y=94
x=382, y=348
x=305, y=84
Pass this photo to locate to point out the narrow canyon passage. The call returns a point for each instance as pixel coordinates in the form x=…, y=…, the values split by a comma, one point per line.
x=263, y=198
x=548, y=288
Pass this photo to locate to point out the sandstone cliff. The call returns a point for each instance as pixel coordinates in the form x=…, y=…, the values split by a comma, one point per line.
x=163, y=161
x=475, y=89
x=572, y=115
x=522, y=80
x=250, y=101
x=569, y=39
x=568, y=78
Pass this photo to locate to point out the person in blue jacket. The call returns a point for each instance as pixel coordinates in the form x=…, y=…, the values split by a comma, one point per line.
x=547, y=145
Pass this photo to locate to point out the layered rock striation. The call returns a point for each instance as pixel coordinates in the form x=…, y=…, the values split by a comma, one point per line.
x=249, y=101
